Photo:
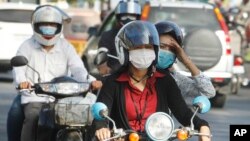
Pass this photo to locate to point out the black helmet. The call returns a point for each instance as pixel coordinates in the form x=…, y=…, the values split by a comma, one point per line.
x=168, y=27
x=134, y=34
x=128, y=7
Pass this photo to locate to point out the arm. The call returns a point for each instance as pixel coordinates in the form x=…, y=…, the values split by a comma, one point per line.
x=108, y=41
x=19, y=72
x=199, y=84
x=183, y=115
x=103, y=44
x=78, y=69
x=182, y=57
x=76, y=65
x=194, y=86
x=205, y=130
x=178, y=106
x=106, y=95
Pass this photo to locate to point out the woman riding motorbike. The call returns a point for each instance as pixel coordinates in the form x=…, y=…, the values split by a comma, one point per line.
x=137, y=90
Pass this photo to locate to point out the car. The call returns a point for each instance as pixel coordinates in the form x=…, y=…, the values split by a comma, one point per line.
x=15, y=27
x=206, y=41
x=76, y=32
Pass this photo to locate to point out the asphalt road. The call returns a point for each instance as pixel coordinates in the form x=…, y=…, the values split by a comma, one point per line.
x=236, y=111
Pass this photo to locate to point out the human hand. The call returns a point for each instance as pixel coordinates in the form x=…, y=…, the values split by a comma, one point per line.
x=25, y=85
x=102, y=134
x=176, y=48
x=205, y=130
x=95, y=85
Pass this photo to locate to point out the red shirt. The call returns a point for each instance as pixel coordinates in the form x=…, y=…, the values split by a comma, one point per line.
x=139, y=104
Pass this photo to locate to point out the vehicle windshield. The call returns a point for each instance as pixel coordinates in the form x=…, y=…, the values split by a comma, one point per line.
x=17, y=16
x=187, y=18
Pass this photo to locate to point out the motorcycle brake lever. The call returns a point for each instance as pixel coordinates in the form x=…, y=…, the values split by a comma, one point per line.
x=24, y=90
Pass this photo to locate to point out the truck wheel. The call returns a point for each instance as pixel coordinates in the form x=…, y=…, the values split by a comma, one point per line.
x=218, y=101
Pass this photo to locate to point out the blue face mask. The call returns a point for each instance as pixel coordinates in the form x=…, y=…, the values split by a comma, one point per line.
x=165, y=59
x=48, y=30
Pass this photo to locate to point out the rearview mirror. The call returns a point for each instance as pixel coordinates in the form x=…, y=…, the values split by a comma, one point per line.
x=99, y=110
x=18, y=61
x=203, y=103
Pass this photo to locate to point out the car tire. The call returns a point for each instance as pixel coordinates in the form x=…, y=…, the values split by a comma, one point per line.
x=203, y=47
x=218, y=101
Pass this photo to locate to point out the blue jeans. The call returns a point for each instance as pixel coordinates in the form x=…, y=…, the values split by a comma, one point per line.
x=15, y=120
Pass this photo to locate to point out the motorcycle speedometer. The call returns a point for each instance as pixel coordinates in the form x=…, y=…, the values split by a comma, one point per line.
x=159, y=126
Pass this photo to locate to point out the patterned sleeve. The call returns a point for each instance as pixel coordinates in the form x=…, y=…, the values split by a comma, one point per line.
x=194, y=86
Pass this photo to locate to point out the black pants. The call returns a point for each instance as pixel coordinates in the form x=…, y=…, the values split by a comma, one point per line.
x=31, y=112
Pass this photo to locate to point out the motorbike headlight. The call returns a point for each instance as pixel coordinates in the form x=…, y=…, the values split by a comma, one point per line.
x=159, y=126
x=65, y=88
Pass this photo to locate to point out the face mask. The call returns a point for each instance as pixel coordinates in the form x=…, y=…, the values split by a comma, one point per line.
x=123, y=22
x=48, y=30
x=165, y=59
x=141, y=58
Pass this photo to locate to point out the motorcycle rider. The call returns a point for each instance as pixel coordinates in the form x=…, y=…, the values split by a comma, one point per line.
x=51, y=56
x=171, y=47
x=126, y=11
x=138, y=90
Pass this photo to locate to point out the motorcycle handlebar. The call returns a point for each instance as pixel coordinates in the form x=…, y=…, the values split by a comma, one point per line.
x=38, y=90
x=186, y=132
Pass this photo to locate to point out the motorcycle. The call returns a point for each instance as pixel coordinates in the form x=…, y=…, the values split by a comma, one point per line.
x=159, y=126
x=68, y=117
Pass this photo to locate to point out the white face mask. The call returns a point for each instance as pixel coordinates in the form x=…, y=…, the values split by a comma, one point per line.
x=141, y=58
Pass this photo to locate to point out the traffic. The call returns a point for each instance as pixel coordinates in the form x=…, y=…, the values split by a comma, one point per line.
x=154, y=67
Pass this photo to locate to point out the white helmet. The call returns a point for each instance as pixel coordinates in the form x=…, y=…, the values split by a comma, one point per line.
x=47, y=14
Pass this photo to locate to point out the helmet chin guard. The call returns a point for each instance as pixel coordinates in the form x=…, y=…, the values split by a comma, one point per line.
x=46, y=42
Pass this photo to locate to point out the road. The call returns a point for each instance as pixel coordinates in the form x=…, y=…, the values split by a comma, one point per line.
x=236, y=111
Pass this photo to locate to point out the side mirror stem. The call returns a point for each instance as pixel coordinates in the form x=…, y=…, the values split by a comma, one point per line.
x=39, y=78
x=192, y=119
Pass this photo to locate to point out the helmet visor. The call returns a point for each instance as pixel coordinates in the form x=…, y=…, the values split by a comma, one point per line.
x=128, y=8
x=136, y=34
